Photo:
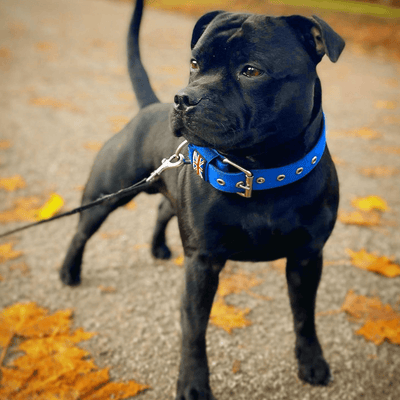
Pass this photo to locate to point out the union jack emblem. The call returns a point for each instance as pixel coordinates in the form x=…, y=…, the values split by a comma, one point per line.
x=198, y=164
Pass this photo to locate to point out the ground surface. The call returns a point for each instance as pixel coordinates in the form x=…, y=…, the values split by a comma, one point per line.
x=73, y=53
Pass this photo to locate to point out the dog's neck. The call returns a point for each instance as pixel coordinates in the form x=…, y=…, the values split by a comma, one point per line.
x=270, y=155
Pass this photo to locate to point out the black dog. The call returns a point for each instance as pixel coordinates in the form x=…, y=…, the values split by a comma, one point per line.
x=262, y=184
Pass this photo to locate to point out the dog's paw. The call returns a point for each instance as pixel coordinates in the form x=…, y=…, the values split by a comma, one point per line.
x=67, y=278
x=192, y=393
x=162, y=252
x=315, y=372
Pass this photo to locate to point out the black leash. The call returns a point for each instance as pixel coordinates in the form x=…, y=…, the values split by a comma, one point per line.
x=165, y=164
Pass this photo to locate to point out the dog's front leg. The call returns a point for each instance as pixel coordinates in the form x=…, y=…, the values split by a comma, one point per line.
x=303, y=276
x=200, y=287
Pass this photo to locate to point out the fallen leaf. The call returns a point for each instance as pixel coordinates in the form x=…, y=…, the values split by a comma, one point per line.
x=364, y=133
x=107, y=289
x=21, y=266
x=118, y=122
x=51, y=102
x=52, y=366
x=236, y=366
x=51, y=207
x=5, y=144
x=381, y=322
x=180, y=260
x=338, y=161
x=111, y=235
x=380, y=171
x=370, y=203
x=129, y=96
x=236, y=283
x=93, y=145
x=29, y=209
x=372, y=262
x=131, y=205
x=13, y=183
x=279, y=265
x=389, y=105
x=363, y=218
x=7, y=252
x=387, y=149
x=228, y=317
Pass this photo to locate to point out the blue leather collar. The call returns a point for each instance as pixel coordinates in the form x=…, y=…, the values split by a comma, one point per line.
x=214, y=168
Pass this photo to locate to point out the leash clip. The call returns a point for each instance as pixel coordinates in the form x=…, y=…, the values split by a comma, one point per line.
x=248, y=188
x=176, y=160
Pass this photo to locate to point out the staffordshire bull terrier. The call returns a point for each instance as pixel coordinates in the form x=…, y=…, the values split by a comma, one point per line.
x=261, y=184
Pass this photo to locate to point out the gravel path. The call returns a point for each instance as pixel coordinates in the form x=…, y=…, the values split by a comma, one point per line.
x=70, y=56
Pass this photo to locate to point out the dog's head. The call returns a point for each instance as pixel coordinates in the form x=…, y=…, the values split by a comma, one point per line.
x=252, y=77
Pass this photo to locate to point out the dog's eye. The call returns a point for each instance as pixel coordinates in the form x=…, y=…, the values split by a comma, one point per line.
x=251, y=72
x=194, y=65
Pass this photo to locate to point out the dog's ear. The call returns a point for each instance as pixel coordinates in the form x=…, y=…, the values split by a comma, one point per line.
x=201, y=26
x=318, y=37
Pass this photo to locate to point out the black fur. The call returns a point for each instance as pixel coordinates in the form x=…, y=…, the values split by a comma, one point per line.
x=263, y=121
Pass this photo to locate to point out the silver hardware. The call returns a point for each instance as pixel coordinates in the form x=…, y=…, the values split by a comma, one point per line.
x=314, y=160
x=176, y=160
x=299, y=170
x=280, y=178
x=260, y=180
x=221, y=182
x=249, y=179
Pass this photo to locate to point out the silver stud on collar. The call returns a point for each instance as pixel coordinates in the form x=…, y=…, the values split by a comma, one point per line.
x=280, y=178
x=314, y=160
x=260, y=180
x=299, y=170
x=221, y=182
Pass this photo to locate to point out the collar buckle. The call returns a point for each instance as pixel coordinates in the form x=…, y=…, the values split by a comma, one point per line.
x=248, y=188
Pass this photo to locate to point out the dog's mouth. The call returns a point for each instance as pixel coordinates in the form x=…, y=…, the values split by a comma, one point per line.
x=206, y=129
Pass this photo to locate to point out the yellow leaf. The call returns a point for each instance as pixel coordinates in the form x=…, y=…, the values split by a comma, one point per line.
x=51, y=102
x=5, y=144
x=27, y=209
x=236, y=283
x=131, y=205
x=371, y=262
x=7, y=253
x=118, y=391
x=371, y=218
x=13, y=183
x=179, y=261
x=228, y=317
x=107, y=289
x=118, y=122
x=52, y=206
x=387, y=149
x=370, y=203
x=381, y=322
x=380, y=171
x=389, y=105
x=93, y=145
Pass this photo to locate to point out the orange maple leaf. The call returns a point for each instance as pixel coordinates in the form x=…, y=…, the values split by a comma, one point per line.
x=236, y=283
x=363, y=218
x=379, y=171
x=228, y=317
x=28, y=209
x=12, y=183
x=372, y=262
x=52, y=366
x=381, y=322
x=7, y=252
x=93, y=145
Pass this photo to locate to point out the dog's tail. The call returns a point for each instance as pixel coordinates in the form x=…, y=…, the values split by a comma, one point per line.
x=140, y=81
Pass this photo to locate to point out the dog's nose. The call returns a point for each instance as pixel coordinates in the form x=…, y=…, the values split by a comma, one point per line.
x=183, y=100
